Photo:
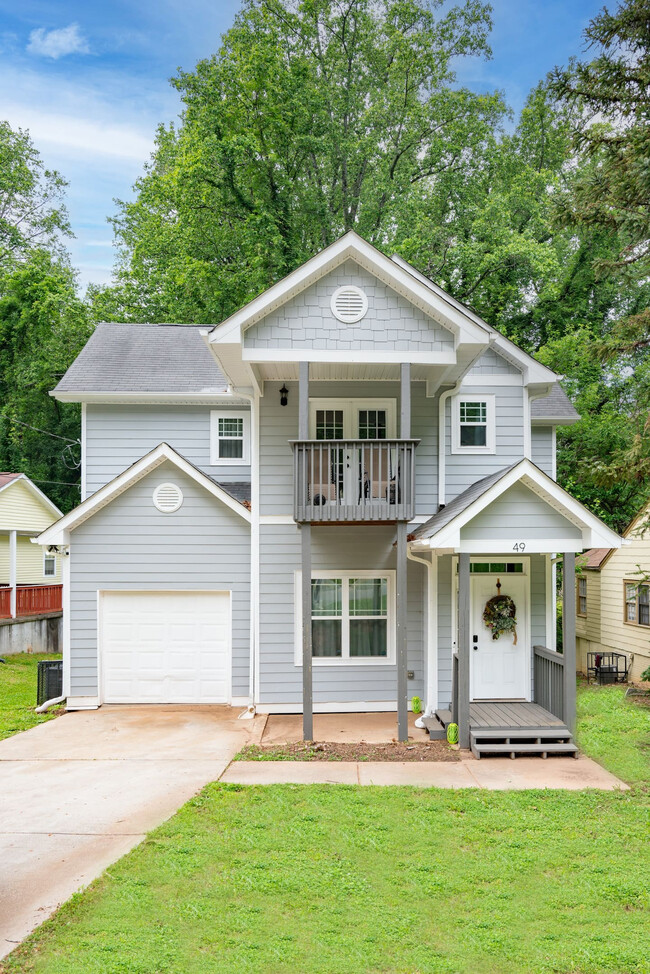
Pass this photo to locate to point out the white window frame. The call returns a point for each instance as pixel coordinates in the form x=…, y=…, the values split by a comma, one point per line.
x=215, y=459
x=388, y=660
x=47, y=556
x=350, y=409
x=490, y=431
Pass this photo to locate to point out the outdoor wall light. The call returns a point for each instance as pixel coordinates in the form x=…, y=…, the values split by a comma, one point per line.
x=284, y=392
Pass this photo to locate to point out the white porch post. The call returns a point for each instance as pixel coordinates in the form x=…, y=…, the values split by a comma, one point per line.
x=305, y=540
x=12, y=572
x=569, y=637
x=463, y=649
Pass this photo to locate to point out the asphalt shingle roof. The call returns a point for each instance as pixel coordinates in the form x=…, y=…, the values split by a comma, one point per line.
x=556, y=405
x=6, y=478
x=144, y=358
x=240, y=490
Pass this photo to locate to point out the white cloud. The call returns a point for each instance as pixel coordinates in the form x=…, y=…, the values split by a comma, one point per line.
x=80, y=135
x=57, y=43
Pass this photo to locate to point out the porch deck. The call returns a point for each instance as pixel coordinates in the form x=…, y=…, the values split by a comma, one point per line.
x=510, y=727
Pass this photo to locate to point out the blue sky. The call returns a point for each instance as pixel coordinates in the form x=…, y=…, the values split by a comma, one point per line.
x=90, y=82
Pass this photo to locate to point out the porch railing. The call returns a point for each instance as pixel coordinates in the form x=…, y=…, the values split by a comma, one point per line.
x=354, y=480
x=31, y=600
x=549, y=680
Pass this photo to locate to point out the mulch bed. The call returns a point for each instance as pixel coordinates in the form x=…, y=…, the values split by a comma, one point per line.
x=325, y=751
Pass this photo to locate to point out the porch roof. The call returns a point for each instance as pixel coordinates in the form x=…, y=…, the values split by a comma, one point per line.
x=517, y=509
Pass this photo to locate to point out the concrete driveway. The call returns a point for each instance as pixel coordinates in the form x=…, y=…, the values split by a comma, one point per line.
x=79, y=792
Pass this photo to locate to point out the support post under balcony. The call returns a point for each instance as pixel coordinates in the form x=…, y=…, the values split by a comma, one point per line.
x=402, y=569
x=305, y=541
x=463, y=649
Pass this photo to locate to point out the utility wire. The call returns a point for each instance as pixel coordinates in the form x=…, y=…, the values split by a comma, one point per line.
x=47, y=433
x=62, y=483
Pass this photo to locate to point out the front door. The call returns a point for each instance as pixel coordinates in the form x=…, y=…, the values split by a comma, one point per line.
x=499, y=668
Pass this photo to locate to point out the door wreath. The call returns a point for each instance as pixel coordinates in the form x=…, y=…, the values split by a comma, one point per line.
x=500, y=615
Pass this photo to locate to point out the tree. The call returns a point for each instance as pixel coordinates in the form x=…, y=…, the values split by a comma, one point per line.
x=43, y=326
x=32, y=213
x=313, y=118
x=611, y=194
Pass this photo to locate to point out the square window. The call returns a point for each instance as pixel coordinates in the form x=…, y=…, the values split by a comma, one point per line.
x=473, y=425
x=229, y=437
x=352, y=618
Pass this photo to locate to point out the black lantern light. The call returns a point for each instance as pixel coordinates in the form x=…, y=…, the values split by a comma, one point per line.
x=284, y=392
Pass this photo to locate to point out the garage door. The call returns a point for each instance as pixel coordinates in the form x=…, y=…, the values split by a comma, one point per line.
x=165, y=647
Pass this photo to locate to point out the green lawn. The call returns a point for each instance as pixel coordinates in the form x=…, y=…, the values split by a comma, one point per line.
x=18, y=694
x=345, y=880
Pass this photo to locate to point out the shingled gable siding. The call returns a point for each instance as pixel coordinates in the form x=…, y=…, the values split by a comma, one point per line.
x=391, y=323
x=491, y=363
x=538, y=634
x=462, y=470
x=131, y=545
x=279, y=425
x=334, y=548
x=542, y=448
x=118, y=435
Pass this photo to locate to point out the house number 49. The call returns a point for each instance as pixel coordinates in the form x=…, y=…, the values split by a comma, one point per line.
x=519, y=546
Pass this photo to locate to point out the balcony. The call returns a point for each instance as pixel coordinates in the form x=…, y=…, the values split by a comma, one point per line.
x=338, y=481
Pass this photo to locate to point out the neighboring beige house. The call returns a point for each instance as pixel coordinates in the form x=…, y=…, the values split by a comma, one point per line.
x=613, y=600
x=27, y=571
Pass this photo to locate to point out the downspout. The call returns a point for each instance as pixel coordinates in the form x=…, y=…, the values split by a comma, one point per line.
x=442, y=446
x=432, y=622
x=49, y=703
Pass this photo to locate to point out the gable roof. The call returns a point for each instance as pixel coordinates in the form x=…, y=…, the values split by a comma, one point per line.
x=443, y=529
x=556, y=409
x=6, y=479
x=170, y=360
x=593, y=559
x=58, y=532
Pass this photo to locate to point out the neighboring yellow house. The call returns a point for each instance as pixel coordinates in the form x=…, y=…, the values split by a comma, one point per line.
x=25, y=511
x=613, y=600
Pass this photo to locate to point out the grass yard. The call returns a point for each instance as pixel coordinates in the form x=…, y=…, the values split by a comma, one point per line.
x=18, y=694
x=345, y=880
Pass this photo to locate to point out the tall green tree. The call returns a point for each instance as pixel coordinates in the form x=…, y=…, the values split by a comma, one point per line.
x=312, y=118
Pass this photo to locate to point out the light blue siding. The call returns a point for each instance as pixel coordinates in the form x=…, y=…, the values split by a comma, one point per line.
x=118, y=435
x=463, y=470
x=333, y=549
x=391, y=322
x=130, y=545
x=491, y=363
x=542, y=448
x=516, y=515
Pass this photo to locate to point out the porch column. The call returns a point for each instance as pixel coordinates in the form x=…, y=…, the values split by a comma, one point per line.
x=305, y=540
x=12, y=572
x=402, y=568
x=463, y=649
x=569, y=637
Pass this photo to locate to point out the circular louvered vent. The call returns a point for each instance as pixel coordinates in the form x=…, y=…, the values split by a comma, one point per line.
x=167, y=498
x=349, y=303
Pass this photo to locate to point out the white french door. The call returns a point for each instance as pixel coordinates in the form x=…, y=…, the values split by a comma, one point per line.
x=343, y=475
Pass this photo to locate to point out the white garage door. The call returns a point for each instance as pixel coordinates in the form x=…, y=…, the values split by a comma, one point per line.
x=165, y=647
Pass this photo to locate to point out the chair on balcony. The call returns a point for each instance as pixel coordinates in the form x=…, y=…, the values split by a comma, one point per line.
x=378, y=478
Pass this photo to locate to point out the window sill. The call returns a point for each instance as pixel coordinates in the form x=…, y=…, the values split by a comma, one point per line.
x=339, y=661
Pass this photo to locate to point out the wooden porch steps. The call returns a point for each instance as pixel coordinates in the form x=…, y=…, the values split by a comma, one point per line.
x=509, y=728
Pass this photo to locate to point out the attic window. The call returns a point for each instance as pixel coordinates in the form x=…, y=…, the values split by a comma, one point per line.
x=167, y=498
x=349, y=303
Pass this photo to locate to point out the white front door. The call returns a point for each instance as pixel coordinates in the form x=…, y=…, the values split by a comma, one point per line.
x=499, y=668
x=165, y=647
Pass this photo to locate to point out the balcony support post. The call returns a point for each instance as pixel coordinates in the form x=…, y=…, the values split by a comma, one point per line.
x=402, y=569
x=305, y=540
x=462, y=705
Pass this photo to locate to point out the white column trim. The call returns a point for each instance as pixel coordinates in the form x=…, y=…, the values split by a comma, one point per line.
x=65, y=604
x=13, y=572
x=84, y=478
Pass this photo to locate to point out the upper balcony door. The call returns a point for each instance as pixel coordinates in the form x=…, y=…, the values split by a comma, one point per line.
x=355, y=473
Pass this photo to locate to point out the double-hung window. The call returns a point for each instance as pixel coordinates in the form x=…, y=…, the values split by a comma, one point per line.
x=473, y=424
x=582, y=596
x=229, y=437
x=352, y=618
x=49, y=565
x=637, y=604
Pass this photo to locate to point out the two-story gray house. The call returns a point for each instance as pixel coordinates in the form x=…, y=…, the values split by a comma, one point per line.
x=323, y=504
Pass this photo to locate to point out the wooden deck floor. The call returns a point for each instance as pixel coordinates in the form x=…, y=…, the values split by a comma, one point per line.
x=504, y=714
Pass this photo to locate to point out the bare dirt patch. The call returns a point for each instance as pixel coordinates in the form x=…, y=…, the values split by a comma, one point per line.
x=326, y=751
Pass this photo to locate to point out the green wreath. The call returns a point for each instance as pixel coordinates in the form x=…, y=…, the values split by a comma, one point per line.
x=500, y=615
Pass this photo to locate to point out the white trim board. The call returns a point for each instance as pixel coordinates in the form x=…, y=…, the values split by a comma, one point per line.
x=58, y=532
x=36, y=491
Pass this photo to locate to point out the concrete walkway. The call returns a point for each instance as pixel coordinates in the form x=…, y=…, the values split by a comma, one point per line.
x=79, y=792
x=494, y=774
